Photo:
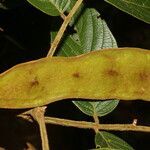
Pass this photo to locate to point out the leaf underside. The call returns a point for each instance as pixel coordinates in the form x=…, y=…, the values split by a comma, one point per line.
x=137, y=8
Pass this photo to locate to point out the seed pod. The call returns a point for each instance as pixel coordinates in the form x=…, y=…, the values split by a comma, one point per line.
x=122, y=74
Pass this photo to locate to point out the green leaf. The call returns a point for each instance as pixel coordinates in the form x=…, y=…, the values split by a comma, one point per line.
x=51, y=7
x=92, y=33
x=106, y=149
x=97, y=108
x=137, y=8
x=107, y=140
x=69, y=46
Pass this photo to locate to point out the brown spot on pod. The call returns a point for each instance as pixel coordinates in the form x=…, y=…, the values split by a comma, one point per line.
x=112, y=72
x=76, y=75
x=144, y=76
x=34, y=82
x=41, y=83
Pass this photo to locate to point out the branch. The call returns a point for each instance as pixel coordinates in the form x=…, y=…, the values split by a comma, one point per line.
x=38, y=115
x=96, y=120
x=63, y=28
x=91, y=125
x=62, y=16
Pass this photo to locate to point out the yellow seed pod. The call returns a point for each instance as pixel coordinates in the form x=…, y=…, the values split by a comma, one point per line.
x=122, y=74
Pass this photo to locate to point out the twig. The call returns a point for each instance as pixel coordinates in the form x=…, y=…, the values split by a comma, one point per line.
x=38, y=115
x=29, y=146
x=91, y=125
x=62, y=16
x=96, y=120
x=63, y=28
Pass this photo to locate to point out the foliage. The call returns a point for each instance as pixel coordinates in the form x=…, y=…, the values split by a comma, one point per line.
x=107, y=140
x=90, y=32
x=137, y=8
x=51, y=7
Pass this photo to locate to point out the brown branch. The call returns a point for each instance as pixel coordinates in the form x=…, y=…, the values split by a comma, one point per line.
x=62, y=16
x=91, y=125
x=38, y=115
x=63, y=28
x=96, y=120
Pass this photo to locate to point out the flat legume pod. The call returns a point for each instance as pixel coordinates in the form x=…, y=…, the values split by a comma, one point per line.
x=122, y=74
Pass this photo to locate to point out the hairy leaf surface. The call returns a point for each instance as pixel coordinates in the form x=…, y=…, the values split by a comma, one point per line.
x=137, y=8
x=108, y=141
x=51, y=7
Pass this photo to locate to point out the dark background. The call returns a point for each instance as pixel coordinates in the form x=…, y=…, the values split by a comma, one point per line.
x=26, y=36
